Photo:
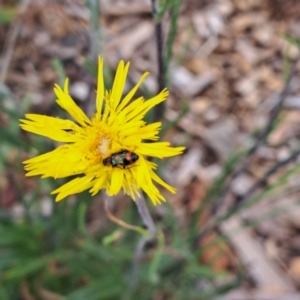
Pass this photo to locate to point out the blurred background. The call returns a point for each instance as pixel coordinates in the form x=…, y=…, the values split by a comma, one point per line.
x=232, y=230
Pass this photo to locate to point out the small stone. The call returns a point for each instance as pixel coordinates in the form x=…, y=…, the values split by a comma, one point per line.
x=199, y=105
x=246, y=85
x=210, y=173
x=208, y=22
x=245, y=48
x=264, y=152
x=188, y=167
x=292, y=102
x=241, y=184
x=211, y=114
x=79, y=90
x=41, y=38
x=283, y=153
x=264, y=34
x=46, y=207
x=189, y=84
x=222, y=137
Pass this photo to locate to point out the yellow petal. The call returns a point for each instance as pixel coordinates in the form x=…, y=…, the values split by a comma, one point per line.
x=52, y=122
x=130, y=108
x=100, y=87
x=74, y=186
x=140, y=112
x=162, y=183
x=119, y=84
x=100, y=183
x=129, y=96
x=159, y=149
x=61, y=162
x=116, y=181
x=67, y=103
x=54, y=134
x=153, y=193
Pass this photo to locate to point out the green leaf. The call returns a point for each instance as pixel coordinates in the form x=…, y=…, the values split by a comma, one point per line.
x=205, y=272
x=114, y=236
x=58, y=67
x=91, y=67
x=162, y=9
x=292, y=40
x=11, y=139
x=171, y=38
x=103, y=288
x=26, y=268
x=7, y=14
x=7, y=258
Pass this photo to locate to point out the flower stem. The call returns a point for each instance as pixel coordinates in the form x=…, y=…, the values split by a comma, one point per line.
x=149, y=223
x=145, y=215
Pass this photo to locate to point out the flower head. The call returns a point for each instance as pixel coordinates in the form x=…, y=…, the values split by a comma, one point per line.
x=107, y=151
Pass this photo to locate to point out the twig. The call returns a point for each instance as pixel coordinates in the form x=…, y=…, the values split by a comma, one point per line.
x=120, y=222
x=262, y=136
x=214, y=222
x=159, y=109
x=136, y=261
x=148, y=221
x=263, y=181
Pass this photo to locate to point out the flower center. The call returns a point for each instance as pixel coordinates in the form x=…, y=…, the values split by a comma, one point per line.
x=104, y=146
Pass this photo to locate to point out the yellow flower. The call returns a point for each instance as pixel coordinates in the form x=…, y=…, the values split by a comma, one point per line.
x=95, y=148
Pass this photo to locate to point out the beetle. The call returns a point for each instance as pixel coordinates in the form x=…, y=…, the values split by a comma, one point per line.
x=121, y=159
